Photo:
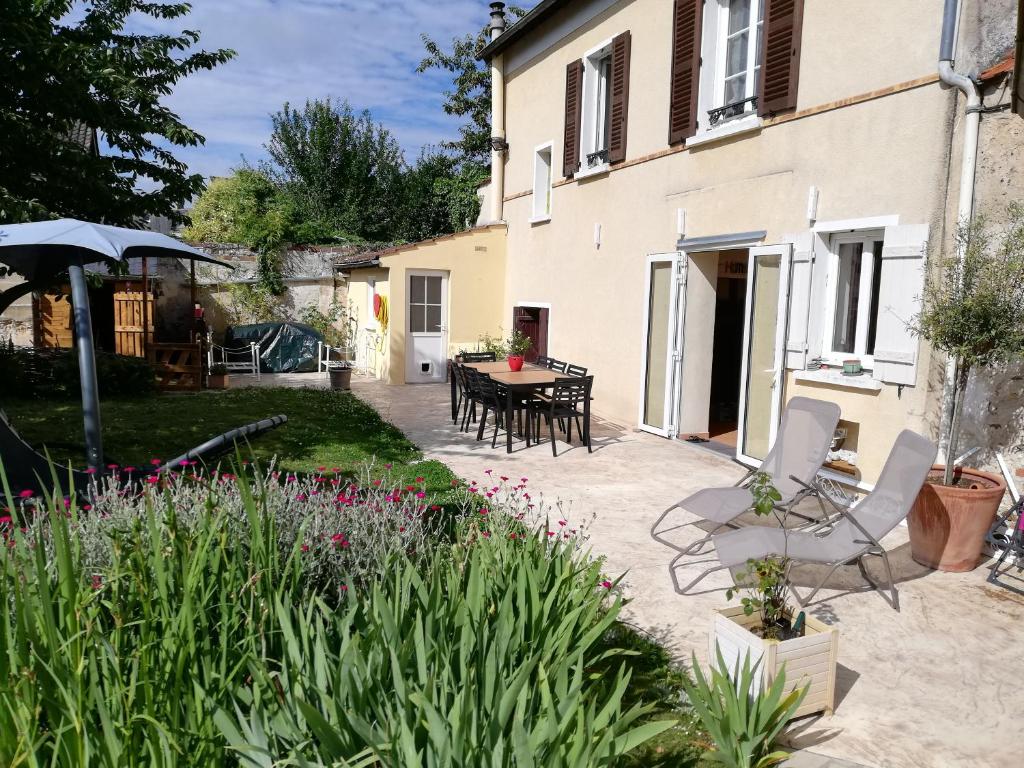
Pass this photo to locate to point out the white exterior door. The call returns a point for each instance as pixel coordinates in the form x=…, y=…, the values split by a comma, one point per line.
x=427, y=327
x=665, y=292
x=764, y=347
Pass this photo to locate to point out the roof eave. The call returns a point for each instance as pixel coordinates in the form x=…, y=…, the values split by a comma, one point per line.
x=539, y=12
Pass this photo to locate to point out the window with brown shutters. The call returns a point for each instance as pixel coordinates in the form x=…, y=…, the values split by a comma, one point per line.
x=619, y=98
x=687, y=19
x=573, y=114
x=780, y=68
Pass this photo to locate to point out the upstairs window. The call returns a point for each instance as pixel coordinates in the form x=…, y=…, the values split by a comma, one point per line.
x=597, y=70
x=542, y=183
x=738, y=59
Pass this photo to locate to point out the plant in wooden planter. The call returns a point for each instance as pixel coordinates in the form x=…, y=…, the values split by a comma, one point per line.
x=770, y=631
x=971, y=310
x=218, y=377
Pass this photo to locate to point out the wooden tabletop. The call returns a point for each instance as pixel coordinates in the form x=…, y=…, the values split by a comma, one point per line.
x=528, y=377
x=500, y=366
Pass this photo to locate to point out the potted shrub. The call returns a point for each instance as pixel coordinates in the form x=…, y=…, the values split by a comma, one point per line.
x=218, y=377
x=772, y=634
x=971, y=311
x=340, y=374
x=518, y=344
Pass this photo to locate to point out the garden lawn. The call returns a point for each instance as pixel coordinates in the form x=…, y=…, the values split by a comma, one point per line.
x=325, y=429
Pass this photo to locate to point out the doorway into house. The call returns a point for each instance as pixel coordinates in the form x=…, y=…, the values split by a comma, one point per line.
x=727, y=349
x=532, y=322
x=426, y=348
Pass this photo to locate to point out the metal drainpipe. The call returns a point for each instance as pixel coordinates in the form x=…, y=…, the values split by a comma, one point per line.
x=498, y=144
x=968, y=164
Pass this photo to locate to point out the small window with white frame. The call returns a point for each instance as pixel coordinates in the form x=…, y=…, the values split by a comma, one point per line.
x=542, y=183
x=596, y=118
x=851, y=307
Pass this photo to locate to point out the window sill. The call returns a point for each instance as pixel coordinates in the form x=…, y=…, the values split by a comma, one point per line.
x=597, y=170
x=540, y=219
x=837, y=379
x=734, y=128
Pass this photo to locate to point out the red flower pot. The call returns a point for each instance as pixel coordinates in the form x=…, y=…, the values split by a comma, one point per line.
x=515, y=362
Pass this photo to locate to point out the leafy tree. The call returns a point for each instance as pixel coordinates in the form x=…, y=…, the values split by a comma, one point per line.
x=470, y=97
x=339, y=167
x=64, y=74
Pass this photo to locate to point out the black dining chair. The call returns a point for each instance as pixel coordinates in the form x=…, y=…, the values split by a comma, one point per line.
x=459, y=377
x=575, y=370
x=491, y=399
x=567, y=401
x=471, y=379
x=542, y=361
x=556, y=365
x=478, y=357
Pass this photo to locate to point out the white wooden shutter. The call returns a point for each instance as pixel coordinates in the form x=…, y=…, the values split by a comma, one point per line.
x=799, y=301
x=899, y=301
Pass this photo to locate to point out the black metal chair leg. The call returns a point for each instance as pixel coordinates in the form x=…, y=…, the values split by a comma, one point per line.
x=551, y=431
x=483, y=423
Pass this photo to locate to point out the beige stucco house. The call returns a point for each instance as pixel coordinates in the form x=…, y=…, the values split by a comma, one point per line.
x=718, y=203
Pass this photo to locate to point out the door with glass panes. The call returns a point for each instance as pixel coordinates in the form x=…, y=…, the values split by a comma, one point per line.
x=427, y=332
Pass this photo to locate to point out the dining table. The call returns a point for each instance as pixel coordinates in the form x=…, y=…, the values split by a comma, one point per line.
x=530, y=379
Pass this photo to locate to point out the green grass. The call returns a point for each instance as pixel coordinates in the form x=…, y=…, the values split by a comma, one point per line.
x=324, y=429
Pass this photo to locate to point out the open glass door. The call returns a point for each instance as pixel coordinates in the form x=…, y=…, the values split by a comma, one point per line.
x=764, y=347
x=665, y=288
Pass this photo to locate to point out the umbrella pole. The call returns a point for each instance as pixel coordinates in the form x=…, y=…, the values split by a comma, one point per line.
x=86, y=365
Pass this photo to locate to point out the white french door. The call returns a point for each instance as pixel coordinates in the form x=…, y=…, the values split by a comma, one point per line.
x=426, y=346
x=664, y=310
x=764, y=348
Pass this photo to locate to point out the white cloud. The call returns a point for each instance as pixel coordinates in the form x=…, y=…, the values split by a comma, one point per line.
x=290, y=50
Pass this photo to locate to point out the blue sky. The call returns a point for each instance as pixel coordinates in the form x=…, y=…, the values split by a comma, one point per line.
x=365, y=51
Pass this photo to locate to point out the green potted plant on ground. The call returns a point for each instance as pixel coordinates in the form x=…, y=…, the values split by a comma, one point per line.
x=218, y=378
x=518, y=345
x=765, y=628
x=971, y=310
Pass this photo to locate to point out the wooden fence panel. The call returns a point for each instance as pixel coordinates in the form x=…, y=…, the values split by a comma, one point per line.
x=128, y=338
x=178, y=367
x=54, y=321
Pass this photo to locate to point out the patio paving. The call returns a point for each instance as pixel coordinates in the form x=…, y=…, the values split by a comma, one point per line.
x=935, y=684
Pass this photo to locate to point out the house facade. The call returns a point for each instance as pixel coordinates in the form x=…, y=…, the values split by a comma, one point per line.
x=714, y=205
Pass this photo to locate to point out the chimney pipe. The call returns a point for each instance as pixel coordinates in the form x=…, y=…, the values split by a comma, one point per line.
x=497, y=25
x=498, y=144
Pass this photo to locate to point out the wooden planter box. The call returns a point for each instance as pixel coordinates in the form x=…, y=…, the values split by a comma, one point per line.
x=808, y=659
x=218, y=381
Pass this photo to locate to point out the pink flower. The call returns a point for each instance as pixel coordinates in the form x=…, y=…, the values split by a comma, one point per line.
x=301, y=497
x=488, y=471
x=321, y=469
x=421, y=495
x=343, y=588
x=389, y=465
x=129, y=469
x=376, y=483
x=304, y=548
x=504, y=479
x=420, y=480
x=551, y=533
x=155, y=462
x=111, y=466
x=401, y=528
x=484, y=510
x=26, y=494
x=562, y=523
x=184, y=463
x=606, y=584
x=335, y=470
x=152, y=479
x=486, y=534
x=5, y=520
x=91, y=471
x=523, y=479
x=97, y=582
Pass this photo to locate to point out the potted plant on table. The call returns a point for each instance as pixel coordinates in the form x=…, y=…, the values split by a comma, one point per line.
x=517, y=346
x=218, y=377
x=765, y=627
x=971, y=310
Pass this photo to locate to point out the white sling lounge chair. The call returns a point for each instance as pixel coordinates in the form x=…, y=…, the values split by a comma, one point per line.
x=803, y=441
x=857, y=533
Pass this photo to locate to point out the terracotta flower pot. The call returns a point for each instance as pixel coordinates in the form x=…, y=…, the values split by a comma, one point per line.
x=515, y=362
x=948, y=523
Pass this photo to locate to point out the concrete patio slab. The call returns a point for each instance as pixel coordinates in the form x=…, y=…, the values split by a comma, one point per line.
x=935, y=684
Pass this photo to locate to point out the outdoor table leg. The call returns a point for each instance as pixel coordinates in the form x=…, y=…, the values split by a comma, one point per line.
x=509, y=394
x=455, y=399
x=586, y=424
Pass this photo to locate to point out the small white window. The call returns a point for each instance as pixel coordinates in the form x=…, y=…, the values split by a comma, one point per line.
x=851, y=309
x=542, y=183
x=740, y=24
x=596, y=119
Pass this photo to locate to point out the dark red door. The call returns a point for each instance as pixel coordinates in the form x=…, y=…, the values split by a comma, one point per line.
x=533, y=322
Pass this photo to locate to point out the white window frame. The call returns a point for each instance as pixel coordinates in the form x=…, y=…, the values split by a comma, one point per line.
x=711, y=93
x=540, y=192
x=865, y=236
x=595, y=105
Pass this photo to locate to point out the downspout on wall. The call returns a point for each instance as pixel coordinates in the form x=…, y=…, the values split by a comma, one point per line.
x=498, y=143
x=968, y=164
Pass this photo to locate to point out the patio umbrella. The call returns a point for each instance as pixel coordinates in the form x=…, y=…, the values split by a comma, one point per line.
x=41, y=250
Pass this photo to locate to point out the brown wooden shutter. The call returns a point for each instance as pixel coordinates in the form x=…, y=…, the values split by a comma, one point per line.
x=619, y=100
x=573, y=113
x=687, y=20
x=780, y=64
